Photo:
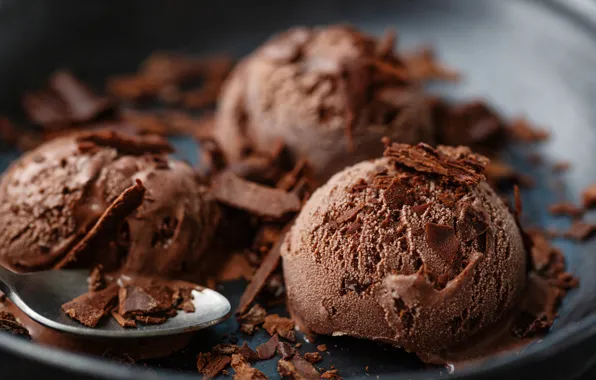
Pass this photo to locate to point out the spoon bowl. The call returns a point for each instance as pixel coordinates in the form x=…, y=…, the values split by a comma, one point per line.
x=40, y=295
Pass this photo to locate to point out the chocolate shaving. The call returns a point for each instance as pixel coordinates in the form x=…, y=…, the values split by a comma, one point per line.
x=521, y=130
x=212, y=365
x=424, y=66
x=248, y=352
x=137, y=300
x=589, y=196
x=274, y=324
x=254, y=317
x=259, y=279
x=267, y=349
x=122, y=321
x=457, y=165
x=285, y=350
x=566, y=209
x=183, y=299
x=66, y=102
x=244, y=371
x=253, y=198
x=580, y=231
x=297, y=368
x=90, y=308
x=443, y=241
x=10, y=325
x=96, y=279
x=106, y=228
x=127, y=144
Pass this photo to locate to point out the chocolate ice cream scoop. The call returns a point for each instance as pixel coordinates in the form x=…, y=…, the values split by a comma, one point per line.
x=414, y=249
x=329, y=94
x=73, y=202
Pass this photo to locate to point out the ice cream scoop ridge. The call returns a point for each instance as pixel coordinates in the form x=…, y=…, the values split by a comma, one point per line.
x=414, y=249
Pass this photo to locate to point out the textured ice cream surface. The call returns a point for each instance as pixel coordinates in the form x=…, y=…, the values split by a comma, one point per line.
x=53, y=196
x=414, y=249
x=329, y=94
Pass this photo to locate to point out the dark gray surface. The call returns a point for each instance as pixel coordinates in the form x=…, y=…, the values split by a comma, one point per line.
x=535, y=58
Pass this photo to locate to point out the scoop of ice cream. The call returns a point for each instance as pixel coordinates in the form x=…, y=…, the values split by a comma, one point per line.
x=329, y=94
x=52, y=198
x=414, y=249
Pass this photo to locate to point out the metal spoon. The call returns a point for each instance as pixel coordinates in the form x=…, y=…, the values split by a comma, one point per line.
x=40, y=295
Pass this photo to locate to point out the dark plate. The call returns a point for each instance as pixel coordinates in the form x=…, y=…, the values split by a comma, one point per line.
x=535, y=58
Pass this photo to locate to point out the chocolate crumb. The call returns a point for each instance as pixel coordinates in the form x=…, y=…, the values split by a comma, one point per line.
x=225, y=349
x=322, y=347
x=331, y=374
x=313, y=357
x=267, y=349
x=285, y=350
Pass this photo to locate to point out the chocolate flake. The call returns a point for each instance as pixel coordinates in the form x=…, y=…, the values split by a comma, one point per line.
x=259, y=279
x=248, y=353
x=212, y=365
x=254, y=198
x=274, y=324
x=456, y=164
x=267, y=349
x=581, y=230
x=589, y=196
x=106, y=227
x=244, y=371
x=285, y=350
x=521, y=130
x=442, y=240
x=137, y=300
x=9, y=324
x=566, y=209
x=127, y=144
x=96, y=279
x=420, y=209
x=423, y=65
x=225, y=349
x=297, y=368
x=90, y=308
x=122, y=321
